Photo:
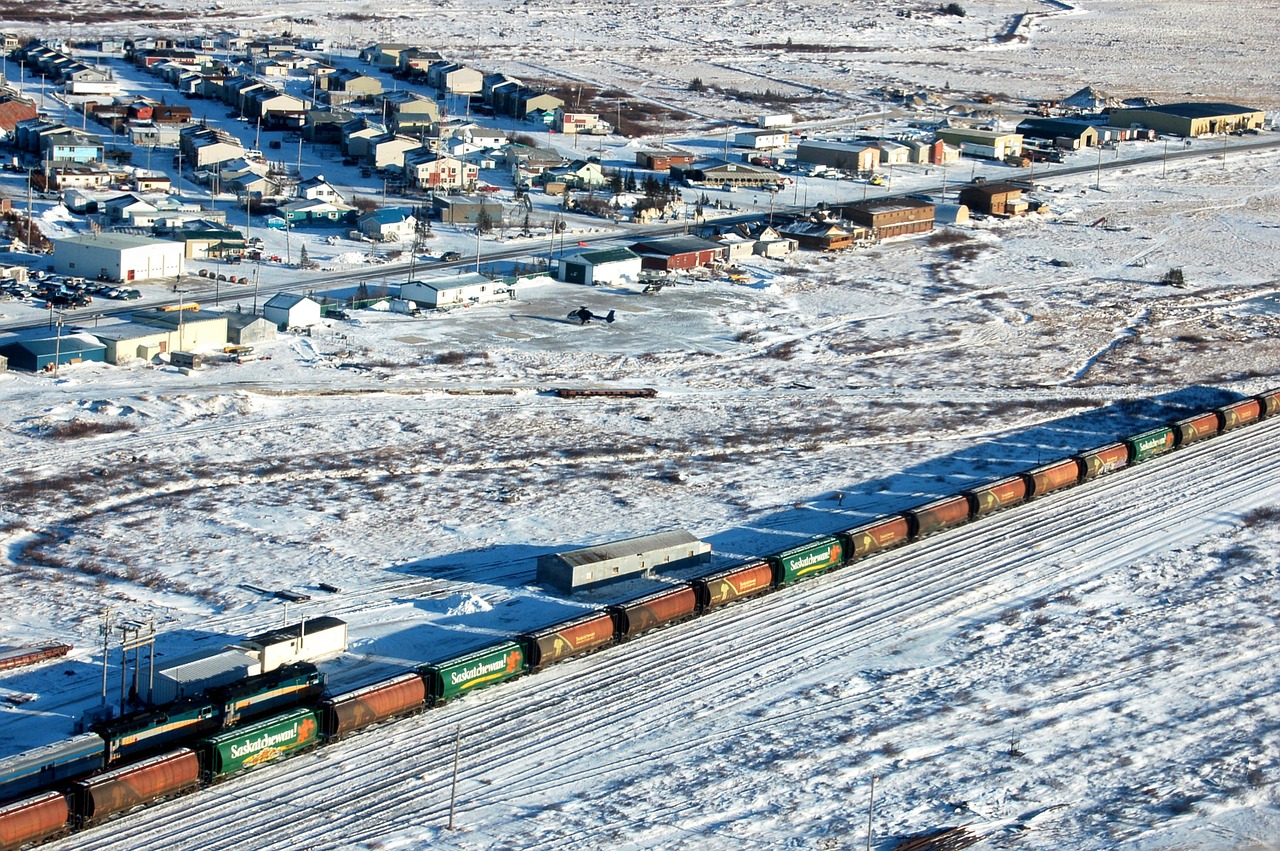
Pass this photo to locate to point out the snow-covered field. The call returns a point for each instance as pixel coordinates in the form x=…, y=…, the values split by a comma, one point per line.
x=1096, y=670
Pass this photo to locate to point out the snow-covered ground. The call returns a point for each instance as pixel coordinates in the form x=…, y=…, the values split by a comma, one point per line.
x=1095, y=670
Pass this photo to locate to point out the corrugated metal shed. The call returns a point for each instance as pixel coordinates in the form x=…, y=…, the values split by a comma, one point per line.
x=191, y=676
x=594, y=565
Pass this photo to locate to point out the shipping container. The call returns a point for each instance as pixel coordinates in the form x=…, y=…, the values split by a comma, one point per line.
x=38, y=768
x=569, y=638
x=992, y=496
x=1196, y=428
x=1270, y=402
x=248, y=747
x=33, y=820
x=1149, y=444
x=96, y=798
x=462, y=674
x=938, y=515
x=1104, y=459
x=354, y=710
x=1240, y=413
x=653, y=610
x=817, y=556
x=875, y=536
x=1051, y=477
x=733, y=583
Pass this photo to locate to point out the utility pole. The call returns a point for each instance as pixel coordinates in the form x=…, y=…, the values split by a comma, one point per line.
x=1097, y=180
x=57, y=348
x=105, y=632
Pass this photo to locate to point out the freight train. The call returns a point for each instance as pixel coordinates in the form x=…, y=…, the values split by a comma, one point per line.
x=174, y=749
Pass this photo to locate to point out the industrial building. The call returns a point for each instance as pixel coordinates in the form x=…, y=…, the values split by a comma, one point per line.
x=307, y=641
x=606, y=266
x=841, y=155
x=458, y=291
x=589, y=567
x=118, y=257
x=188, y=330
x=1190, y=119
x=244, y=329
x=43, y=353
x=995, y=199
x=987, y=144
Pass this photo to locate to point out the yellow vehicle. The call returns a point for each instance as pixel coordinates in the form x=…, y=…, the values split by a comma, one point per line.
x=876, y=180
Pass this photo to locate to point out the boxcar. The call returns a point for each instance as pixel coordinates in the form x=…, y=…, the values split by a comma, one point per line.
x=1270, y=402
x=992, y=496
x=733, y=583
x=653, y=610
x=33, y=820
x=354, y=710
x=877, y=535
x=462, y=674
x=569, y=638
x=248, y=747
x=1055, y=476
x=1240, y=413
x=1103, y=459
x=39, y=768
x=1195, y=428
x=254, y=697
x=1149, y=444
x=817, y=556
x=145, y=733
x=937, y=515
x=97, y=798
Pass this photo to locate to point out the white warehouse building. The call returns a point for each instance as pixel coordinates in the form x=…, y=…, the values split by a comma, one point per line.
x=118, y=257
x=459, y=291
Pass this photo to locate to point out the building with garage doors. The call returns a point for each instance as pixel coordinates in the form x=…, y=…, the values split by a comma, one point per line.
x=589, y=567
x=1191, y=119
x=606, y=266
x=291, y=310
x=986, y=144
x=118, y=257
x=678, y=252
x=457, y=291
x=42, y=353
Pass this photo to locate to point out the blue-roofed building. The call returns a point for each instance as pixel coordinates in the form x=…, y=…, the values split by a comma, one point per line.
x=390, y=224
x=40, y=353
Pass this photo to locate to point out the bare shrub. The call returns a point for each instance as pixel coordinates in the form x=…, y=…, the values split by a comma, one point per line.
x=1261, y=516
x=943, y=238
x=782, y=351
x=86, y=428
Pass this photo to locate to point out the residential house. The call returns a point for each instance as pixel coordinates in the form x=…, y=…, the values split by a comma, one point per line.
x=454, y=79
x=427, y=169
x=821, y=236
x=385, y=56
x=574, y=123
x=207, y=146
x=388, y=150
x=415, y=61
x=345, y=87
x=390, y=224
x=14, y=109
x=305, y=212
x=318, y=189
x=579, y=174
x=356, y=136
x=408, y=113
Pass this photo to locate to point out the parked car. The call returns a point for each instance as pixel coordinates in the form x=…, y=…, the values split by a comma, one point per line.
x=130, y=295
x=450, y=256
